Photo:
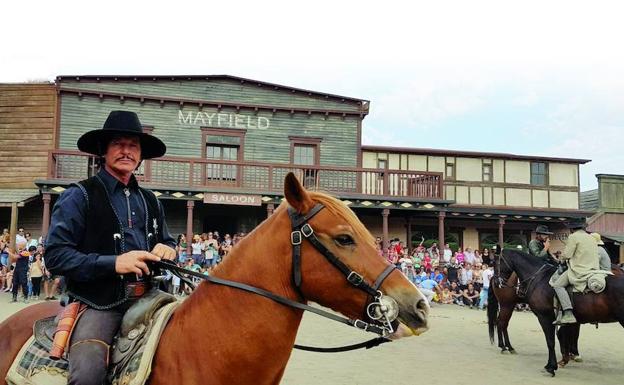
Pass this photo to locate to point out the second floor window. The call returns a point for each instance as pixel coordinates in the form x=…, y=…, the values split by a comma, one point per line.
x=450, y=171
x=221, y=171
x=538, y=173
x=304, y=154
x=487, y=172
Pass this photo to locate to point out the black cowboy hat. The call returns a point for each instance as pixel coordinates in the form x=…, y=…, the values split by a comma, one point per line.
x=125, y=123
x=576, y=223
x=542, y=229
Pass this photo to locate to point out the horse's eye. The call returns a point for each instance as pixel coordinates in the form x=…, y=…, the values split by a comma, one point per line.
x=344, y=240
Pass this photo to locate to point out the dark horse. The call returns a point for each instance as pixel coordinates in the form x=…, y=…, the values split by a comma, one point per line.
x=534, y=273
x=502, y=300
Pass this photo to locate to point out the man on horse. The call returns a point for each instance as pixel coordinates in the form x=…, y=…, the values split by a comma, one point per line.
x=103, y=232
x=603, y=255
x=581, y=254
x=540, y=246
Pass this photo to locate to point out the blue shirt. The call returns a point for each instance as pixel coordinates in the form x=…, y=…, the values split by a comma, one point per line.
x=68, y=226
x=428, y=284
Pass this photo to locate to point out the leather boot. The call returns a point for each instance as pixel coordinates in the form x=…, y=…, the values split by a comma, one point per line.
x=565, y=317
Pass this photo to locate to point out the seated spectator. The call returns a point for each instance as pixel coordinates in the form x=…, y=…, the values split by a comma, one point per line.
x=471, y=296
x=465, y=276
x=430, y=289
x=446, y=297
x=457, y=294
x=477, y=277
x=437, y=276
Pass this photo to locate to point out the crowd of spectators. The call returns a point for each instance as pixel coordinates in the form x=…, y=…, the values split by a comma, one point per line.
x=23, y=272
x=460, y=277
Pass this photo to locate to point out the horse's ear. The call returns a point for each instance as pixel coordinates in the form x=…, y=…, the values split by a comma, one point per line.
x=296, y=194
x=498, y=249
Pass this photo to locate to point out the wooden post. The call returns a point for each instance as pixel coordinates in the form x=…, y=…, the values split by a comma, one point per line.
x=384, y=217
x=441, y=236
x=501, y=223
x=408, y=244
x=189, y=226
x=45, y=222
x=13, y=227
x=270, y=209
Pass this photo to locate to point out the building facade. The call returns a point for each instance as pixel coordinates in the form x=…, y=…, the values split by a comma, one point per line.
x=231, y=141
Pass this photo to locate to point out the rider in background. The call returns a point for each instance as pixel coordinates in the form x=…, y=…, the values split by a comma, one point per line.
x=580, y=253
x=603, y=256
x=540, y=246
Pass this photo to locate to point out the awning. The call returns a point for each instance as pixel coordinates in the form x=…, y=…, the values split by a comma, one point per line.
x=614, y=237
x=21, y=196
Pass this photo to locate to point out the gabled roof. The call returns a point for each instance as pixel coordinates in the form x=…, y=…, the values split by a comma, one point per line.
x=589, y=200
x=259, y=83
x=470, y=154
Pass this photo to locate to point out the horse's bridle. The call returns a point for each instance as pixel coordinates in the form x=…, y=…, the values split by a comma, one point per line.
x=380, y=310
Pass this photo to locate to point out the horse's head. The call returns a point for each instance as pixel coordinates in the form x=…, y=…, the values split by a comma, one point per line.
x=340, y=232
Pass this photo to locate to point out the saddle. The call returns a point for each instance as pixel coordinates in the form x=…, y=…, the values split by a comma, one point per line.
x=131, y=354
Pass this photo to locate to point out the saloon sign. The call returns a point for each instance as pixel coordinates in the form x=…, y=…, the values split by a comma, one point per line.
x=233, y=199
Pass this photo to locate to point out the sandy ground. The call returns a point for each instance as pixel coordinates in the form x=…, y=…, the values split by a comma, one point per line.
x=456, y=350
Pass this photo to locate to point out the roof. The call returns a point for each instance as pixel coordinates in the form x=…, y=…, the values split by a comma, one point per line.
x=20, y=196
x=614, y=237
x=60, y=78
x=471, y=154
x=589, y=200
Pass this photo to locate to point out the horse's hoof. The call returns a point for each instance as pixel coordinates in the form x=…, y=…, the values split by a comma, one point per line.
x=504, y=351
x=562, y=363
x=513, y=351
x=578, y=359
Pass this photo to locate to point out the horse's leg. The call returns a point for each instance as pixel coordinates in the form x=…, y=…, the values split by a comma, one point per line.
x=575, y=333
x=504, y=315
x=546, y=322
x=564, y=335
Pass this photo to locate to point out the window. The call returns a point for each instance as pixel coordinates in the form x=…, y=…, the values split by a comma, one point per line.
x=450, y=171
x=304, y=151
x=304, y=154
x=382, y=163
x=487, y=172
x=219, y=170
x=538, y=173
x=222, y=144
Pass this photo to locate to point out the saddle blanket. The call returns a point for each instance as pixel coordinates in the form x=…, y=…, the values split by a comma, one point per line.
x=32, y=366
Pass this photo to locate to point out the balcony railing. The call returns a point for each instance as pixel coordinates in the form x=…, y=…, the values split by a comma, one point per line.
x=249, y=177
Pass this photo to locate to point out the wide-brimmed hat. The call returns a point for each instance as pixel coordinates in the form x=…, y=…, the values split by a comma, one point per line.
x=121, y=123
x=542, y=229
x=576, y=223
x=598, y=238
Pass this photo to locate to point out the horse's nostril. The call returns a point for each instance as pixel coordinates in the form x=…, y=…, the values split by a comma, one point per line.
x=423, y=306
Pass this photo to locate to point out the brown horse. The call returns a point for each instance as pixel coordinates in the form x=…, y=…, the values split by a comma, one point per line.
x=502, y=300
x=221, y=335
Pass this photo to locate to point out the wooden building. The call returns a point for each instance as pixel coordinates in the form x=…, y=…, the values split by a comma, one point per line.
x=232, y=140
x=27, y=128
x=607, y=204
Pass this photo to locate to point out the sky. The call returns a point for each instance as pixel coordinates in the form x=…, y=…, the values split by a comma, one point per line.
x=524, y=77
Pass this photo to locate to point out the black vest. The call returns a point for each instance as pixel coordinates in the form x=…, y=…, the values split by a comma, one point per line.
x=101, y=225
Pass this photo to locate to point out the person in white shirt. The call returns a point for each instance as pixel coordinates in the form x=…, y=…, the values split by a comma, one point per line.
x=469, y=256
x=487, y=274
x=447, y=253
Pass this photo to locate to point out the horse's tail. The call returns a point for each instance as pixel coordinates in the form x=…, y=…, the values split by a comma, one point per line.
x=492, y=311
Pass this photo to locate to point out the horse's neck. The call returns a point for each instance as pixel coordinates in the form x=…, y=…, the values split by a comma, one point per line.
x=240, y=329
x=526, y=266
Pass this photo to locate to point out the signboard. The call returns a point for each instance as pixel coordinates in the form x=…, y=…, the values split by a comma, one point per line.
x=232, y=199
x=226, y=120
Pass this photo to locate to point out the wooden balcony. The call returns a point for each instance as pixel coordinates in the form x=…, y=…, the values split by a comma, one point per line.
x=258, y=177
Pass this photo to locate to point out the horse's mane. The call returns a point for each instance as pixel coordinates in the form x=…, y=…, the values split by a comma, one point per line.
x=339, y=209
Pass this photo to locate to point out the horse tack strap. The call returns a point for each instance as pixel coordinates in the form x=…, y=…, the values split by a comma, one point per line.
x=366, y=344
x=165, y=264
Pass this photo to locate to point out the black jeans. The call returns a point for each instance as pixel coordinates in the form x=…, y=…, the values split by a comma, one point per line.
x=20, y=278
x=90, y=345
x=36, y=286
